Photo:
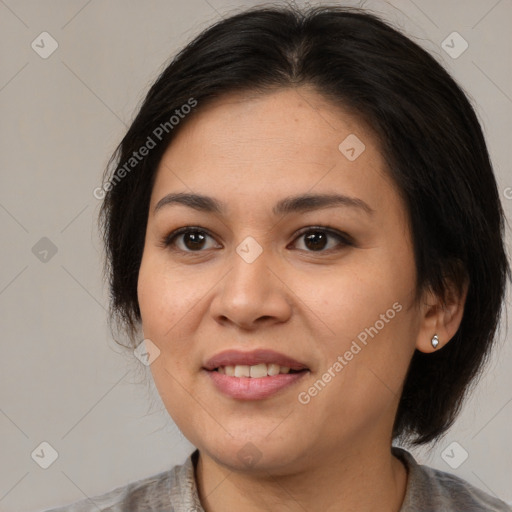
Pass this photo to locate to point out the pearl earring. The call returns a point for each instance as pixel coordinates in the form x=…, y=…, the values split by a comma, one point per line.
x=435, y=341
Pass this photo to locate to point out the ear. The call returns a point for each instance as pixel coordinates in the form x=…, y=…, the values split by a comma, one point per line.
x=440, y=316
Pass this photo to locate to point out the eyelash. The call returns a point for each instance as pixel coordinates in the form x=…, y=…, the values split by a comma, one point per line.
x=343, y=238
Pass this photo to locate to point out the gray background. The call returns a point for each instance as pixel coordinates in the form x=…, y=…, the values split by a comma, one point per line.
x=62, y=378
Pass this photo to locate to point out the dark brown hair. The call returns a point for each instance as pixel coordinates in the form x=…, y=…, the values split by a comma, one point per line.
x=429, y=135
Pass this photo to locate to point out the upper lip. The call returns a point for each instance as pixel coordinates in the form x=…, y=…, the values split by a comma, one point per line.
x=237, y=357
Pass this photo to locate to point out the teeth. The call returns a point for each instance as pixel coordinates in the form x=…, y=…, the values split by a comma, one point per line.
x=256, y=371
x=242, y=370
x=273, y=369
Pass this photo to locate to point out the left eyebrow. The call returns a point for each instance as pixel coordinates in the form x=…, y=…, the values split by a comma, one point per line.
x=309, y=202
x=292, y=204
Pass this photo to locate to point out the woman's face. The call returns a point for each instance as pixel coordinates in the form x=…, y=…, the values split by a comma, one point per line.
x=327, y=284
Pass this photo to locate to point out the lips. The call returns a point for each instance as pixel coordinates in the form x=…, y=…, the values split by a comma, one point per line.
x=253, y=358
x=255, y=375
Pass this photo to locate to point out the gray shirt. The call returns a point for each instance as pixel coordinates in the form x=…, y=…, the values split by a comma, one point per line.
x=175, y=490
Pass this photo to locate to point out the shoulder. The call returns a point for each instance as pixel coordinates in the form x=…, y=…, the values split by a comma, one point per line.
x=169, y=490
x=432, y=490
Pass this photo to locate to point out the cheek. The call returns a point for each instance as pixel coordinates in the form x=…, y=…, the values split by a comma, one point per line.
x=163, y=297
x=171, y=309
x=354, y=297
x=366, y=306
x=163, y=307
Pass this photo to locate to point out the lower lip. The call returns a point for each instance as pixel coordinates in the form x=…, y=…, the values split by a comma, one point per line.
x=249, y=388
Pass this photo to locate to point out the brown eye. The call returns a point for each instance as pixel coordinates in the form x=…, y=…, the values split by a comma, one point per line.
x=187, y=239
x=317, y=239
x=193, y=240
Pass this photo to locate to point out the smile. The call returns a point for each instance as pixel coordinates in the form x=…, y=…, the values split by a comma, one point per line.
x=253, y=388
x=256, y=371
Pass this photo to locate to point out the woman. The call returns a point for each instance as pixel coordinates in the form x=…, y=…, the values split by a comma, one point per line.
x=304, y=222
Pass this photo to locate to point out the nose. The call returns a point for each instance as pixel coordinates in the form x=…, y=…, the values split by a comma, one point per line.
x=252, y=294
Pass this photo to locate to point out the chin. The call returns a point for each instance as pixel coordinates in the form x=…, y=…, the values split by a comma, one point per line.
x=259, y=455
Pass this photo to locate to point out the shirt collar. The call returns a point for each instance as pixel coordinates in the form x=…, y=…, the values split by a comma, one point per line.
x=184, y=495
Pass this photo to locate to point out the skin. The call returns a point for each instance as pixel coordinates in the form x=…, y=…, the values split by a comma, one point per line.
x=333, y=453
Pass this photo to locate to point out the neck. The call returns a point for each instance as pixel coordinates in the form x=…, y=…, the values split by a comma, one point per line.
x=370, y=480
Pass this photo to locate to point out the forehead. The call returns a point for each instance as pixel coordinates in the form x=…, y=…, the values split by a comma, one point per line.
x=285, y=142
